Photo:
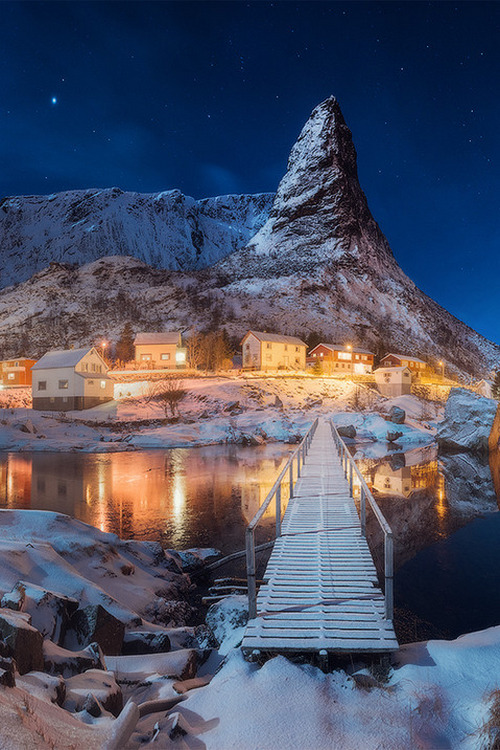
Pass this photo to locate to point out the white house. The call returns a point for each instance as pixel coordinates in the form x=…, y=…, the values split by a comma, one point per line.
x=72, y=379
x=393, y=381
x=272, y=351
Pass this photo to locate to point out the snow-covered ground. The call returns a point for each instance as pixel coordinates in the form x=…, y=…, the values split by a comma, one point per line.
x=433, y=695
x=215, y=410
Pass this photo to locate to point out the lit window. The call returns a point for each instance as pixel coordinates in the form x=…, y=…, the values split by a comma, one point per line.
x=63, y=384
x=42, y=385
x=164, y=356
x=145, y=357
x=103, y=384
x=321, y=354
x=180, y=356
x=344, y=355
x=11, y=376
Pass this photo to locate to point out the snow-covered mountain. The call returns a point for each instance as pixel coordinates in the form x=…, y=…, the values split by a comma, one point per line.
x=165, y=230
x=317, y=262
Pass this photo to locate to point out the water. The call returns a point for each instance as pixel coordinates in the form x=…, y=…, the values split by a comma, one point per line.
x=443, y=512
x=197, y=497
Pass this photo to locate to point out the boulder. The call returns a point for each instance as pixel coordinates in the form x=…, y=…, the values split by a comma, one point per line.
x=278, y=403
x=7, y=672
x=49, y=611
x=97, y=683
x=24, y=642
x=46, y=687
x=227, y=620
x=397, y=415
x=393, y=435
x=347, y=431
x=144, y=642
x=468, y=422
x=95, y=624
x=58, y=660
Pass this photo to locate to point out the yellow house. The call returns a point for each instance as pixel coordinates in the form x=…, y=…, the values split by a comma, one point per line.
x=272, y=351
x=160, y=349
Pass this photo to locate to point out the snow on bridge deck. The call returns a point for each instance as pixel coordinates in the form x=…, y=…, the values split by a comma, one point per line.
x=321, y=590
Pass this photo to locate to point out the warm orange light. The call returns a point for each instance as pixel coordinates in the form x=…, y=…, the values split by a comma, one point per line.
x=348, y=346
x=104, y=344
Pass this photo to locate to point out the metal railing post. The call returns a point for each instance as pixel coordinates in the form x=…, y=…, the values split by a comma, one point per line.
x=251, y=582
x=350, y=480
x=278, y=511
x=290, y=474
x=362, y=508
x=389, y=575
x=298, y=464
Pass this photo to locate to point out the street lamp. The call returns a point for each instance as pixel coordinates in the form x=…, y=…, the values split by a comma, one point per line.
x=349, y=349
x=103, y=348
x=441, y=364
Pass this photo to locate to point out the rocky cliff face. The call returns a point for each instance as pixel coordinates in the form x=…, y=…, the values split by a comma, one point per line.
x=166, y=230
x=316, y=261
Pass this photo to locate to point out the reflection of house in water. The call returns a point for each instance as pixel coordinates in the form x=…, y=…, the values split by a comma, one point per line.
x=15, y=481
x=255, y=487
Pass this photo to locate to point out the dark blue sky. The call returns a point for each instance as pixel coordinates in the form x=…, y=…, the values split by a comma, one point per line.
x=209, y=97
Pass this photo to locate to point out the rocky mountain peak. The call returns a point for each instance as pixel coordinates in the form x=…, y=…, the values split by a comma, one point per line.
x=320, y=214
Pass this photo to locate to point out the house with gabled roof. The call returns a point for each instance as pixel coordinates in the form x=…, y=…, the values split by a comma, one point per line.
x=160, y=350
x=393, y=381
x=65, y=380
x=16, y=372
x=341, y=359
x=417, y=366
x=272, y=351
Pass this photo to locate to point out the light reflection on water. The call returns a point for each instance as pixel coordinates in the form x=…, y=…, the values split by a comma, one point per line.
x=443, y=512
x=181, y=497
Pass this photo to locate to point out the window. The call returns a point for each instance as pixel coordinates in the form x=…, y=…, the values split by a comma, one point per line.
x=286, y=347
x=11, y=376
x=16, y=364
x=103, y=384
x=344, y=355
x=42, y=385
x=314, y=354
x=268, y=357
x=145, y=357
x=296, y=348
x=247, y=347
x=357, y=356
x=63, y=384
x=165, y=356
x=268, y=346
x=297, y=361
x=321, y=354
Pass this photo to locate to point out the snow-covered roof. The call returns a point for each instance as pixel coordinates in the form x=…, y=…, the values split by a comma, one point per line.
x=276, y=338
x=61, y=358
x=404, y=356
x=167, y=337
x=342, y=348
x=391, y=369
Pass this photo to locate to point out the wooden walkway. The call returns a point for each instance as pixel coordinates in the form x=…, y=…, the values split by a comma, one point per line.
x=321, y=591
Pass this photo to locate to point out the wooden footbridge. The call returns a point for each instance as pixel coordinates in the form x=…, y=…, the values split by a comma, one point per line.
x=320, y=591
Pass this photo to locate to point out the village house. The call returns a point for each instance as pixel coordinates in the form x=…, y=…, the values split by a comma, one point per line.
x=273, y=351
x=417, y=366
x=16, y=372
x=72, y=379
x=162, y=350
x=337, y=358
x=393, y=381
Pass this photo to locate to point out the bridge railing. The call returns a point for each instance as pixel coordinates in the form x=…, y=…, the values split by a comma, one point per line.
x=296, y=459
x=350, y=470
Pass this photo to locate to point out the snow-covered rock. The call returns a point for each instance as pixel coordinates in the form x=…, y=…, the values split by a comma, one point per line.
x=98, y=683
x=49, y=611
x=468, y=421
x=227, y=620
x=47, y=687
x=94, y=624
x=25, y=643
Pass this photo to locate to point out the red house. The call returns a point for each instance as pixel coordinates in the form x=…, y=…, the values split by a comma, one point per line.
x=16, y=372
x=415, y=365
x=341, y=359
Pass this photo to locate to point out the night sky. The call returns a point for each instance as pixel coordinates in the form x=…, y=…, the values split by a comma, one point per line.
x=209, y=97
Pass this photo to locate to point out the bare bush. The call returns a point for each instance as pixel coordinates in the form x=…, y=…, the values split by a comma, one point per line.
x=168, y=394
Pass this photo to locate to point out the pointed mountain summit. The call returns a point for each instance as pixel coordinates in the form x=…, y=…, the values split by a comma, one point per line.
x=320, y=212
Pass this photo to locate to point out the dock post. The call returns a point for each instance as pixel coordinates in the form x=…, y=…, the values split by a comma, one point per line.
x=278, y=511
x=251, y=583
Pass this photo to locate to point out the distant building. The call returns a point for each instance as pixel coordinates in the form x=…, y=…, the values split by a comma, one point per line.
x=337, y=358
x=484, y=388
x=393, y=381
x=272, y=351
x=16, y=372
x=72, y=379
x=162, y=350
x=417, y=366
